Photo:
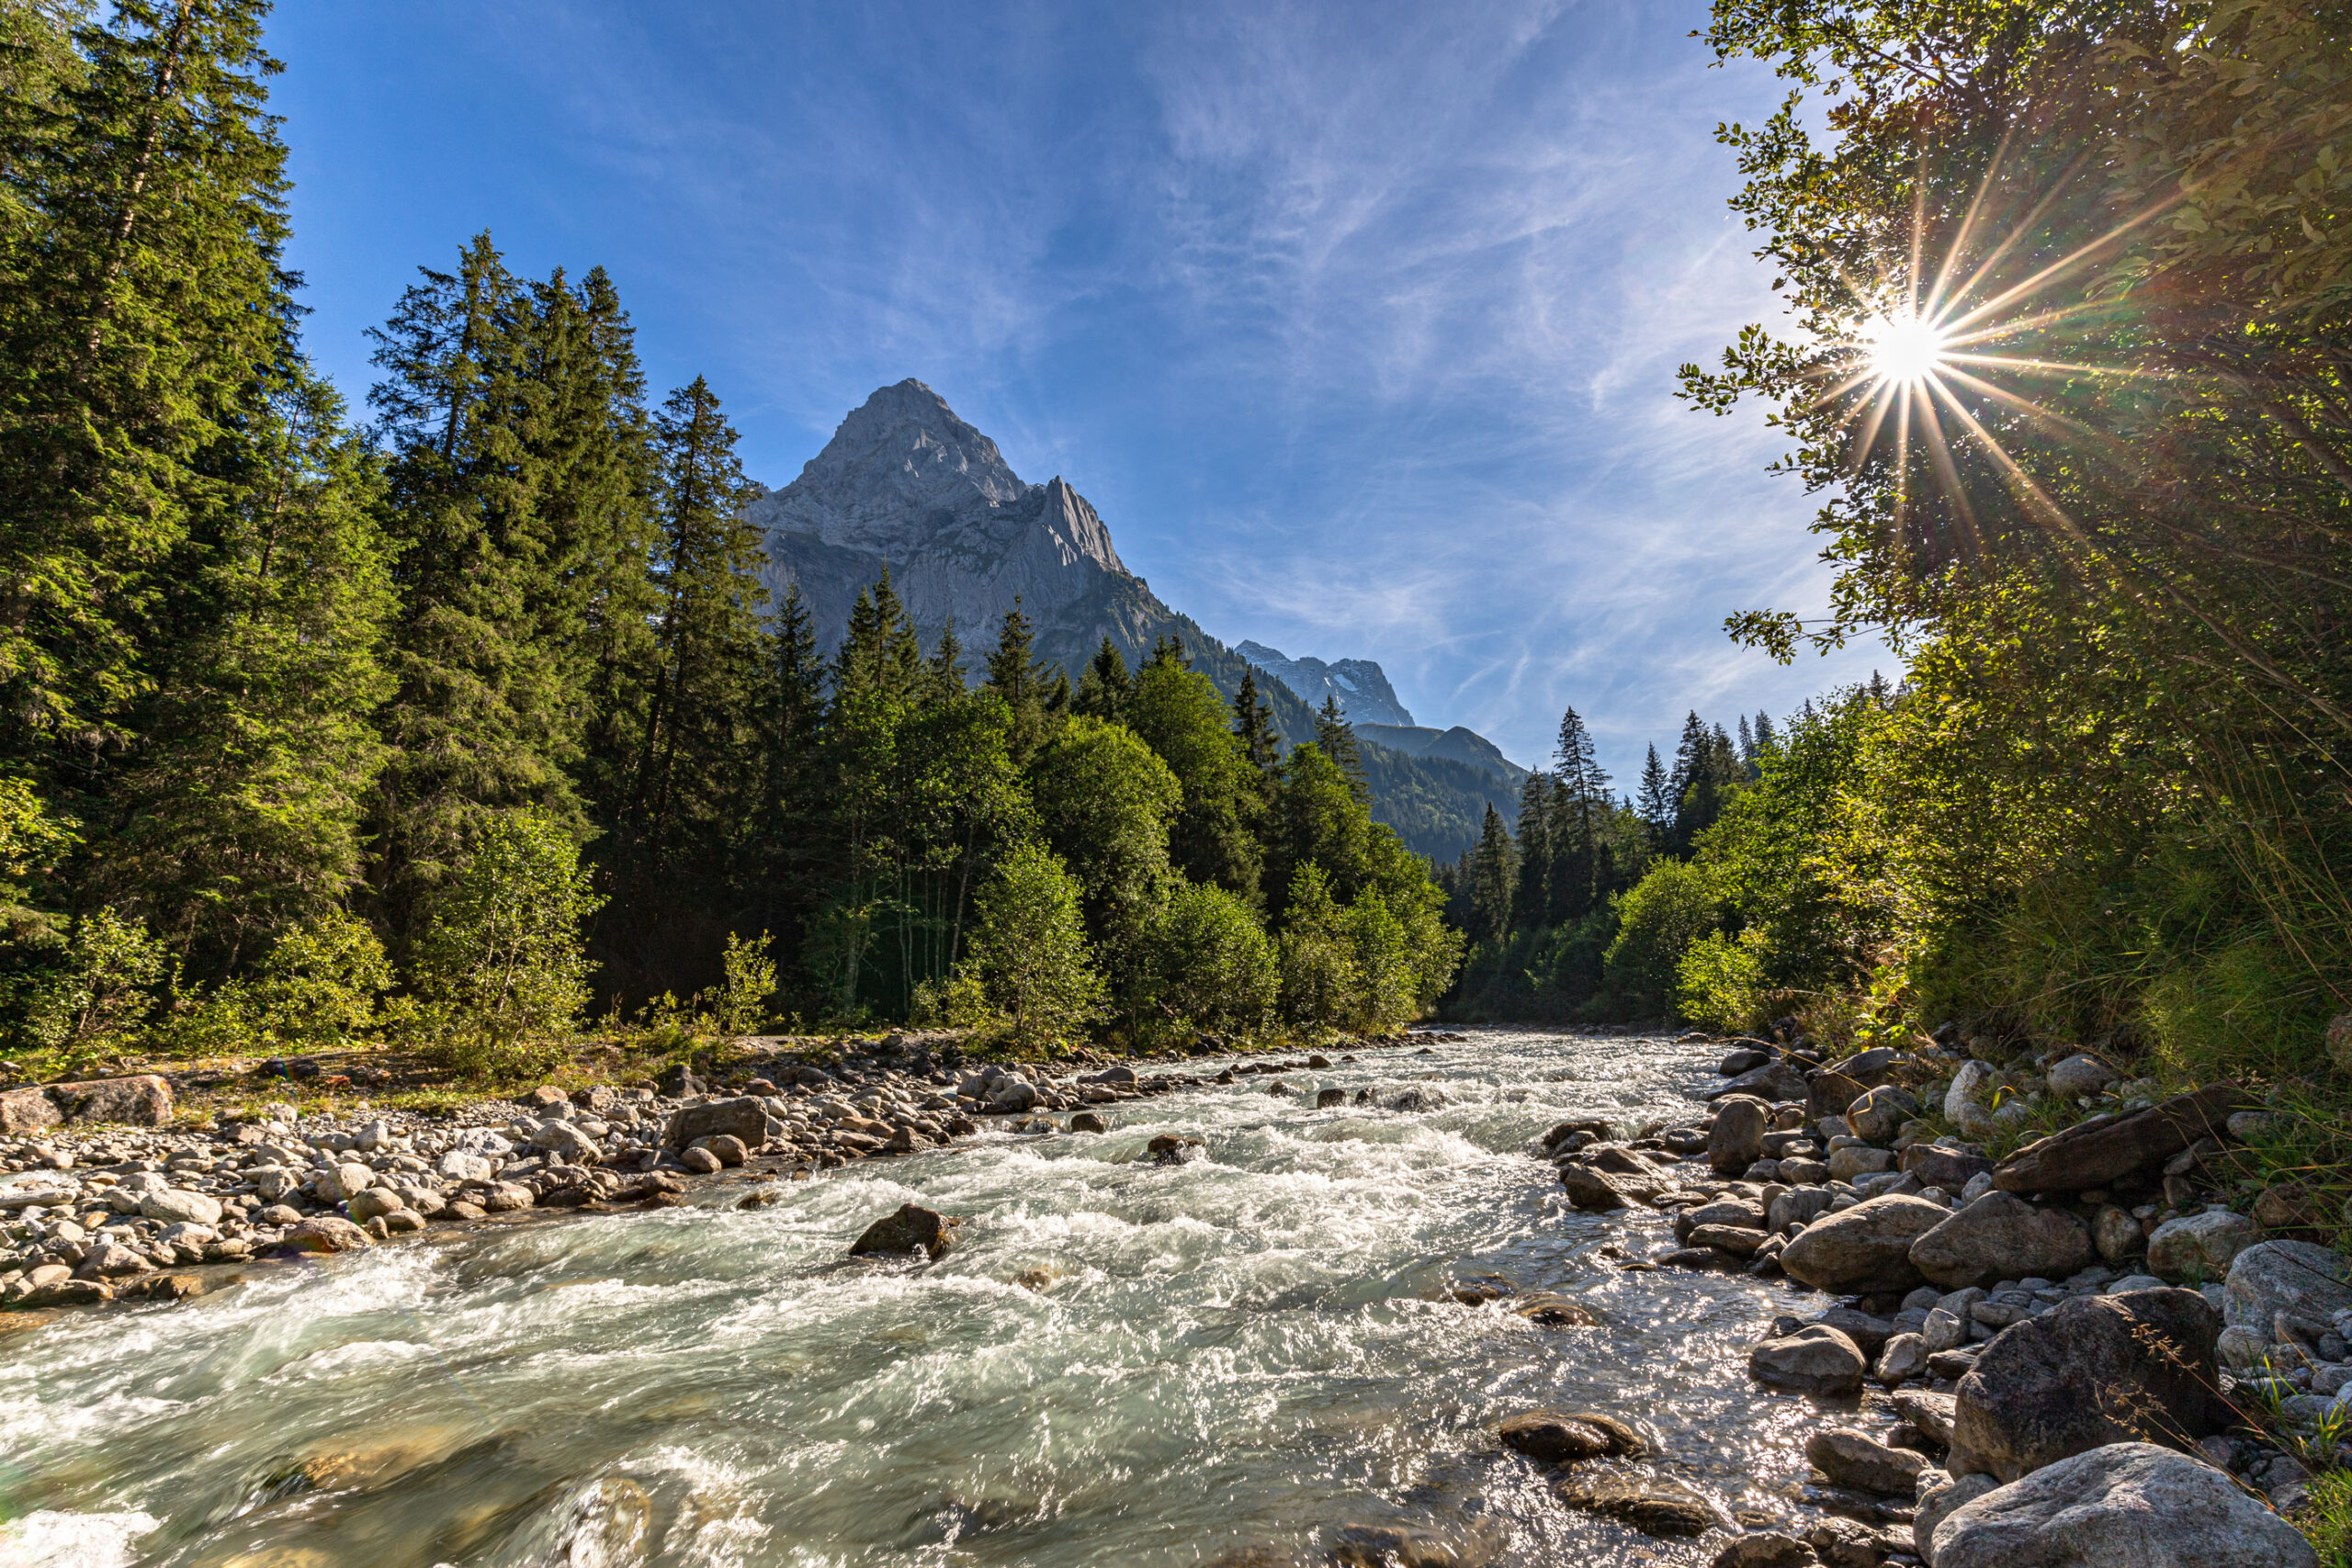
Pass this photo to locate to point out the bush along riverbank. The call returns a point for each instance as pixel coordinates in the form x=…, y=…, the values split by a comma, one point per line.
x=121, y=1204
x=2104, y=1348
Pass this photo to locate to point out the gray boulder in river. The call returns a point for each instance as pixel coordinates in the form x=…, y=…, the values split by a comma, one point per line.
x=2124, y=1506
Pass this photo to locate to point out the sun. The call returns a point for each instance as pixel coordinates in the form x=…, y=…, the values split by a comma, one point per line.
x=1905, y=349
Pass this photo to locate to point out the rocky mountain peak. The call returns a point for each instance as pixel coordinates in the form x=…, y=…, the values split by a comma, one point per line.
x=1360, y=684
x=901, y=456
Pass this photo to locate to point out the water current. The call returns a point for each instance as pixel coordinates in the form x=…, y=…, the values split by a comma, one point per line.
x=1122, y=1362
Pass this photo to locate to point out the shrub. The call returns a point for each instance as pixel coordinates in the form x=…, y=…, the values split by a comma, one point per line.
x=1317, y=952
x=1206, y=961
x=1720, y=981
x=1029, y=953
x=1657, y=919
x=103, y=989
x=741, y=1003
x=501, y=970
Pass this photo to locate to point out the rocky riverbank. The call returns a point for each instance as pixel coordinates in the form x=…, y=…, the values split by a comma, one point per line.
x=2093, y=1352
x=103, y=1198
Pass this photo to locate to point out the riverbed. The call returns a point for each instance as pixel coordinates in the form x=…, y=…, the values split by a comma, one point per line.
x=1122, y=1362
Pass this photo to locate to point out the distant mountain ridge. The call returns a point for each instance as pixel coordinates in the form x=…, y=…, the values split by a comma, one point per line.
x=1361, y=686
x=905, y=486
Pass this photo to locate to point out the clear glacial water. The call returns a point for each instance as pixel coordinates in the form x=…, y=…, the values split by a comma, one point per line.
x=1123, y=1363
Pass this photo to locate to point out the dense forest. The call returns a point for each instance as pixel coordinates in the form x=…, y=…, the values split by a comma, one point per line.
x=2072, y=298
x=447, y=726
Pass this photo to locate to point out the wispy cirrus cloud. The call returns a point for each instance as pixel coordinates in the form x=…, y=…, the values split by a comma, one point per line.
x=1357, y=320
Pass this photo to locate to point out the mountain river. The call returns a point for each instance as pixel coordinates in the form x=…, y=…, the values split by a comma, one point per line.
x=1121, y=1362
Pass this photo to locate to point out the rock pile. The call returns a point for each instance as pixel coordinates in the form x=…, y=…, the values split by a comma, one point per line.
x=103, y=1198
x=2057, y=1329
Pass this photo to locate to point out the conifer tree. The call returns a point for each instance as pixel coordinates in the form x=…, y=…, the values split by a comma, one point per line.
x=1338, y=738
x=1103, y=690
x=1580, y=831
x=239, y=812
x=1532, y=894
x=1024, y=682
x=480, y=720
x=947, y=663
x=594, y=600
x=1492, y=867
x=696, y=748
x=144, y=319
x=1253, y=725
x=1655, y=803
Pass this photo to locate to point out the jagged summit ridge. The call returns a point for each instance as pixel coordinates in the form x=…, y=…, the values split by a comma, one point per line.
x=905, y=481
x=1361, y=684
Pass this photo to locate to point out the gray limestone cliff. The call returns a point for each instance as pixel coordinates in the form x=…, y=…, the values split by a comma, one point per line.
x=1361, y=686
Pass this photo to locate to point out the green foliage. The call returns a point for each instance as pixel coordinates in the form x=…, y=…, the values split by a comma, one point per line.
x=101, y=991
x=741, y=1006
x=2109, y=806
x=1179, y=716
x=1208, y=964
x=1030, y=954
x=1318, y=954
x=1104, y=801
x=1659, y=919
x=502, y=967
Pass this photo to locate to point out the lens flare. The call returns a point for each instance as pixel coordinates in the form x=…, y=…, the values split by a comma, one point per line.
x=1905, y=349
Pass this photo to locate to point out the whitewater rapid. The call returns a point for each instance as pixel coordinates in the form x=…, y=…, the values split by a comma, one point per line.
x=1122, y=1362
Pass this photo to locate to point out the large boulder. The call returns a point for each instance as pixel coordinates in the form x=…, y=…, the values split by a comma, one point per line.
x=2124, y=1506
x=2198, y=1248
x=1563, y=1437
x=1816, y=1359
x=2105, y=1149
x=24, y=1111
x=2002, y=1236
x=1610, y=1177
x=1880, y=1114
x=141, y=1101
x=912, y=1228
x=2079, y=1075
x=2093, y=1370
x=1658, y=1504
x=1854, y=1459
x=1830, y=1094
x=174, y=1205
x=1964, y=1105
x=2309, y=1282
x=1736, y=1140
x=1866, y=1247
x=1938, y=1166
x=1940, y=1497
x=324, y=1233
x=1774, y=1081
x=745, y=1118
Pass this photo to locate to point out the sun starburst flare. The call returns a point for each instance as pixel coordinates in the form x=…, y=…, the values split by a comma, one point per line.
x=1912, y=367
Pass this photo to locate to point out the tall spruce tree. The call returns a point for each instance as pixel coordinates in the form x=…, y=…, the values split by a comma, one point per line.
x=238, y=812
x=1024, y=682
x=1493, y=865
x=1581, y=829
x=690, y=792
x=146, y=322
x=595, y=602
x=481, y=720
x=1532, y=894
x=1104, y=688
x=1655, y=802
x=1338, y=738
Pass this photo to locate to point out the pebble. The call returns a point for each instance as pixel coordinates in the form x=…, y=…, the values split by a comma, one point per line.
x=83, y=1211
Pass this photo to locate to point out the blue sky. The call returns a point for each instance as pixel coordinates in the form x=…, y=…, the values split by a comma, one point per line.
x=1357, y=321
